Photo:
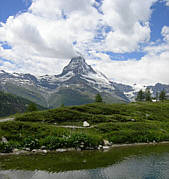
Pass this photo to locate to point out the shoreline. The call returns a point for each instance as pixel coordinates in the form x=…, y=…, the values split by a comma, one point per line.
x=138, y=144
x=61, y=150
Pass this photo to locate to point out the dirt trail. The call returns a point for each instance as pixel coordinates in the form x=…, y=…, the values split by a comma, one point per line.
x=74, y=127
x=6, y=119
x=62, y=126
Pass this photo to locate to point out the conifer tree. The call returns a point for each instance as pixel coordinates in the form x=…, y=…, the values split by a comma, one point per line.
x=148, y=95
x=157, y=96
x=98, y=98
x=140, y=96
x=32, y=107
x=162, y=96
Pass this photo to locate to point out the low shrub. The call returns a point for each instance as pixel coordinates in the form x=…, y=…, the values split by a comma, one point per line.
x=131, y=136
x=52, y=142
x=86, y=140
x=76, y=140
x=6, y=147
x=31, y=143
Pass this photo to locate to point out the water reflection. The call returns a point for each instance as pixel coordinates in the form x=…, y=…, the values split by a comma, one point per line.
x=133, y=163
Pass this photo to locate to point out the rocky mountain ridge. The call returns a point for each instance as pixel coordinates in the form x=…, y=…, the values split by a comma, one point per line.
x=77, y=84
x=130, y=91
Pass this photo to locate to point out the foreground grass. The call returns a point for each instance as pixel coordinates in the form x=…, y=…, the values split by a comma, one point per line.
x=117, y=123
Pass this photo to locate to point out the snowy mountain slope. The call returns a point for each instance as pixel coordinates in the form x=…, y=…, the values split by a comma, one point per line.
x=50, y=91
x=77, y=84
x=157, y=88
x=131, y=91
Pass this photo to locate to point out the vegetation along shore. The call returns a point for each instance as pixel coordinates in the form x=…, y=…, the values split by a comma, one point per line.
x=110, y=124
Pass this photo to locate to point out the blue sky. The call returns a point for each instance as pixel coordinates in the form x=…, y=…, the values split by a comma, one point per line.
x=110, y=34
x=159, y=18
x=11, y=8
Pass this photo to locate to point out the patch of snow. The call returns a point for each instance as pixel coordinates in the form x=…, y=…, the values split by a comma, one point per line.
x=16, y=74
x=2, y=71
x=130, y=95
x=138, y=87
x=66, y=77
x=99, y=80
x=99, y=77
x=54, y=79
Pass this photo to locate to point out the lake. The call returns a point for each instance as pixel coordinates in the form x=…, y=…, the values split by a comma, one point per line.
x=134, y=162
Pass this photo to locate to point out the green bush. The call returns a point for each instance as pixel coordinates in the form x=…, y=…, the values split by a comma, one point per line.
x=52, y=142
x=31, y=143
x=6, y=147
x=131, y=136
x=87, y=140
x=75, y=140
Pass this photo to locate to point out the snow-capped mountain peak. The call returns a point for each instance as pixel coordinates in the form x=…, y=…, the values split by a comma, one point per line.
x=78, y=79
x=78, y=65
x=78, y=70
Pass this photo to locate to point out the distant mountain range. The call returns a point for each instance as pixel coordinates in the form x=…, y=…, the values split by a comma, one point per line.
x=131, y=91
x=77, y=84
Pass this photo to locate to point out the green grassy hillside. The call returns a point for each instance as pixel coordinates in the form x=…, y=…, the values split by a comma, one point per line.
x=31, y=93
x=101, y=113
x=11, y=104
x=117, y=123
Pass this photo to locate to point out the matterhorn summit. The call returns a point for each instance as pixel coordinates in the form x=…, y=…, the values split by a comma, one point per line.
x=79, y=66
x=77, y=84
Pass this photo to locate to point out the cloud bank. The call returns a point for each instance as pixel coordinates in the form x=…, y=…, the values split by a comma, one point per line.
x=43, y=39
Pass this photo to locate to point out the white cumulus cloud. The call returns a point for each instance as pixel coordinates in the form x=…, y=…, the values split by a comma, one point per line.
x=44, y=38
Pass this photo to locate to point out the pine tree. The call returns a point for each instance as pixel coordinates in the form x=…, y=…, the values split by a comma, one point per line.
x=157, y=96
x=98, y=98
x=148, y=95
x=32, y=107
x=140, y=96
x=162, y=96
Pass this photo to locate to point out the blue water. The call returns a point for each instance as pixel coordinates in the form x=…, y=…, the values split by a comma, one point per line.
x=144, y=165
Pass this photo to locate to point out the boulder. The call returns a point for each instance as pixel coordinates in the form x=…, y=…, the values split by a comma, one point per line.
x=45, y=151
x=78, y=149
x=100, y=147
x=4, y=140
x=106, y=147
x=15, y=150
x=106, y=142
x=61, y=150
x=133, y=120
x=86, y=124
x=82, y=145
x=71, y=149
x=43, y=147
x=28, y=149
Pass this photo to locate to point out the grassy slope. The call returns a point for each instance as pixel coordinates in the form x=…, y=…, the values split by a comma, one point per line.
x=11, y=104
x=68, y=97
x=112, y=122
x=31, y=95
x=98, y=113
